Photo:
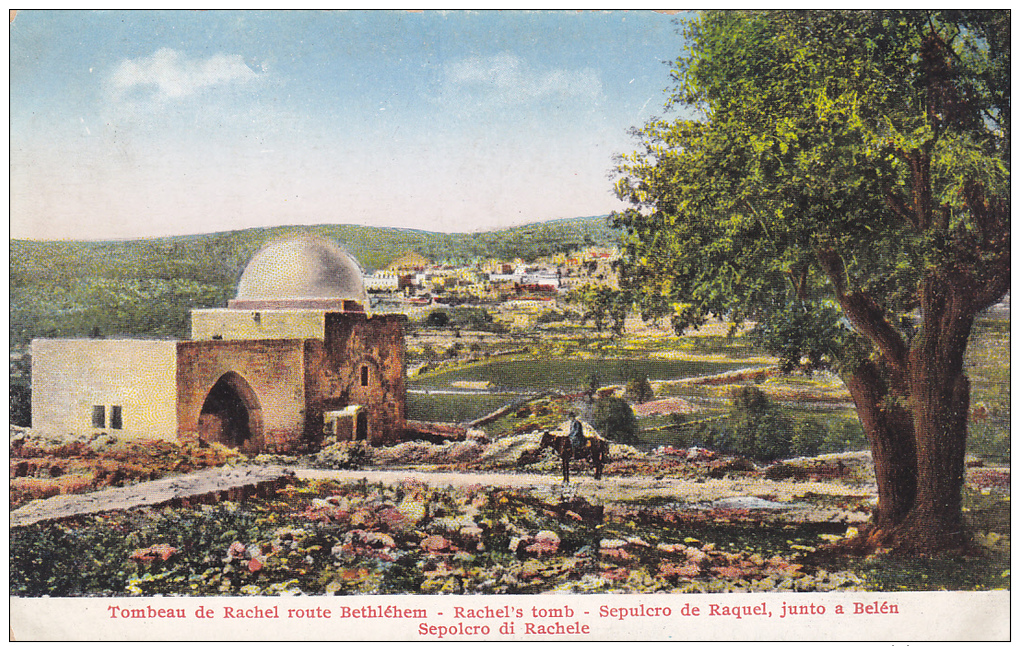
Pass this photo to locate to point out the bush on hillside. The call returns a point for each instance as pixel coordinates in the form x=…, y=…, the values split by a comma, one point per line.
x=757, y=427
x=615, y=420
x=639, y=389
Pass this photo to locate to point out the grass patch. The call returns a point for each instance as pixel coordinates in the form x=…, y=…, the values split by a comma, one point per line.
x=568, y=374
x=987, y=365
x=452, y=408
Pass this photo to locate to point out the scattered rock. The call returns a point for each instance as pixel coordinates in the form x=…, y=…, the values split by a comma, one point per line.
x=784, y=471
x=717, y=468
x=698, y=454
x=747, y=502
x=435, y=543
x=545, y=542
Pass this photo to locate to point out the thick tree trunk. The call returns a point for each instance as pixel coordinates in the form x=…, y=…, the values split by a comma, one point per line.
x=940, y=400
x=940, y=428
x=914, y=412
x=890, y=431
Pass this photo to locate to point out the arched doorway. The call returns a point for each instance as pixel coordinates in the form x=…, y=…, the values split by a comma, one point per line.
x=231, y=414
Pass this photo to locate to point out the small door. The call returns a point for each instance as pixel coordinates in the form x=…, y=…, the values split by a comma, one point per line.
x=361, y=426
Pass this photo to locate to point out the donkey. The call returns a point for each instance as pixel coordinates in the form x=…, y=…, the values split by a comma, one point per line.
x=595, y=450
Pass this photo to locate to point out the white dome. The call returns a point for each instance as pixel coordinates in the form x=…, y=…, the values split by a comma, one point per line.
x=302, y=268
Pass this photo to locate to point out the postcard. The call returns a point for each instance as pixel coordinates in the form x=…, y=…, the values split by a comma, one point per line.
x=509, y=325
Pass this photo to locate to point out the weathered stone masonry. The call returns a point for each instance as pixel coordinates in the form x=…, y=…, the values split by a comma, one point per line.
x=295, y=348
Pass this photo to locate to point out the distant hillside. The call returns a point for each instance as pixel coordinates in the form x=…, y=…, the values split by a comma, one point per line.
x=227, y=253
x=146, y=287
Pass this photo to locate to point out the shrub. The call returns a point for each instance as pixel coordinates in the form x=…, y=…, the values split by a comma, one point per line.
x=701, y=434
x=808, y=437
x=615, y=420
x=640, y=390
x=757, y=428
x=846, y=435
x=551, y=316
x=472, y=318
x=437, y=318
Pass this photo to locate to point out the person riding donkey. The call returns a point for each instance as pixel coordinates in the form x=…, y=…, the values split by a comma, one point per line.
x=577, y=445
x=576, y=435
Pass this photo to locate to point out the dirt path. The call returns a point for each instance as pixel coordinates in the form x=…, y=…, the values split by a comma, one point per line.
x=230, y=483
x=609, y=489
x=778, y=497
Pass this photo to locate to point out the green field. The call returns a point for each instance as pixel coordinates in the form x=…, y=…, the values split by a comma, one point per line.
x=569, y=374
x=435, y=407
x=987, y=364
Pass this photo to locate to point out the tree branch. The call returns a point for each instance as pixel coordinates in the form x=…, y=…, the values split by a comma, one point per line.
x=896, y=204
x=864, y=313
x=992, y=290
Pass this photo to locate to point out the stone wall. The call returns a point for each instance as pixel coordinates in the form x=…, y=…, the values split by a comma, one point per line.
x=122, y=386
x=361, y=362
x=273, y=369
x=232, y=324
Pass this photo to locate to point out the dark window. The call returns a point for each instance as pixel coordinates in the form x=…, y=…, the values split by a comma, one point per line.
x=116, y=420
x=364, y=375
x=99, y=417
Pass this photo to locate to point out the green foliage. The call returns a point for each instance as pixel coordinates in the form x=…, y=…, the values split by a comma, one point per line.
x=614, y=419
x=843, y=435
x=21, y=390
x=808, y=437
x=810, y=337
x=428, y=352
x=701, y=434
x=472, y=318
x=793, y=186
x=542, y=373
x=640, y=390
x=150, y=307
x=843, y=179
x=773, y=425
x=557, y=316
x=435, y=407
x=437, y=318
x=606, y=307
x=757, y=427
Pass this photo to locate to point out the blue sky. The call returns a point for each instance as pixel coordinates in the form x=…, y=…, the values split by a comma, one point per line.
x=129, y=124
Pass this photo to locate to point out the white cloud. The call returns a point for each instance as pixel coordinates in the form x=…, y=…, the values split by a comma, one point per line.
x=508, y=79
x=168, y=74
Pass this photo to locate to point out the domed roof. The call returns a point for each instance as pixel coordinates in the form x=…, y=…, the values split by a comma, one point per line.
x=302, y=268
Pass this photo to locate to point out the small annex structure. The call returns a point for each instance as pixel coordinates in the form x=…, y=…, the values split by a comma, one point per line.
x=295, y=359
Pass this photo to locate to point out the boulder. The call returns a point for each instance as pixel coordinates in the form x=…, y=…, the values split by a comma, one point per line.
x=717, y=468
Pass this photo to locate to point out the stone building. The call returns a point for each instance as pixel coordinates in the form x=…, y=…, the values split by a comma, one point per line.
x=295, y=359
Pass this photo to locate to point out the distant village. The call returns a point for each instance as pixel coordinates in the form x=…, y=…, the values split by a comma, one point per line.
x=517, y=292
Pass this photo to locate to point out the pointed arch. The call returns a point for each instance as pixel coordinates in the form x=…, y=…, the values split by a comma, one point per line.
x=231, y=414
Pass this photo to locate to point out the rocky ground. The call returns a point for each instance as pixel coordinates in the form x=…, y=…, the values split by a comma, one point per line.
x=43, y=467
x=96, y=516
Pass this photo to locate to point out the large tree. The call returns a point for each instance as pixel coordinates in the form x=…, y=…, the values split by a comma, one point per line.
x=842, y=179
